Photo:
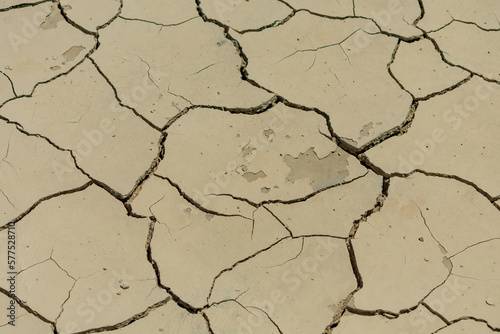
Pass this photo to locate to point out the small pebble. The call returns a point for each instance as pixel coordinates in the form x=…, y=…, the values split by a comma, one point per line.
x=124, y=286
x=490, y=301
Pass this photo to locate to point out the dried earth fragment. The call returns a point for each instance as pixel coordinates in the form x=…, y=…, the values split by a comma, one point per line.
x=244, y=15
x=456, y=214
x=473, y=289
x=91, y=14
x=341, y=8
x=333, y=65
x=162, y=75
x=74, y=252
x=109, y=142
x=439, y=13
x=299, y=283
x=287, y=145
x=453, y=134
x=24, y=323
x=333, y=211
x=30, y=170
x=165, y=12
x=185, y=239
x=233, y=317
x=466, y=327
x=396, y=17
x=419, y=68
x=413, y=263
x=479, y=52
x=34, y=40
x=420, y=320
x=167, y=319
x=6, y=91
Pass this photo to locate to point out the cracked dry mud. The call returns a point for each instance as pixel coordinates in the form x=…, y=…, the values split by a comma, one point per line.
x=249, y=166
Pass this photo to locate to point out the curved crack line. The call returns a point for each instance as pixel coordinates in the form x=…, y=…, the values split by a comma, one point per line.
x=193, y=202
x=65, y=73
x=381, y=31
x=24, y=5
x=376, y=208
x=120, y=102
x=128, y=321
x=11, y=83
x=111, y=20
x=464, y=22
x=428, y=228
x=319, y=47
x=268, y=317
x=156, y=23
x=462, y=318
x=149, y=251
x=261, y=108
x=73, y=23
x=443, y=57
x=122, y=198
x=440, y=316
x=279, y=220
x=43, y=199
x=274, y=24
x=445, y=176
x=342, y=307
x=292, y=201
x=472, y=246
x=207, y=320
x=291, y=259
x=238, y=263
x=391, y=74
x=26, y=307
x=422, y=13
x=446, y=90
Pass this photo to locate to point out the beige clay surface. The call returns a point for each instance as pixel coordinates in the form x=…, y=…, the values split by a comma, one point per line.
x=249, y=167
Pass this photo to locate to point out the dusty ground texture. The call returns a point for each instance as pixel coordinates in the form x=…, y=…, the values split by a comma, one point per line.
x=250, y=166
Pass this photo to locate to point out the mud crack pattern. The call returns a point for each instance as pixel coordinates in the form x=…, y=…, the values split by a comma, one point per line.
x=238, y=167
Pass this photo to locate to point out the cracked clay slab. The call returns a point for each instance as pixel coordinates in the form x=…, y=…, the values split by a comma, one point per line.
x=299, y=284
x=453, y=134
x=28, y=323
x=473, y=288
x=414, y=262
x=478, y=52
x=337, y=66
x=419, y=68
x=249, y=167
x=333, y=210
x=91, y=124
x=29, y=172
x=34, y=44
x=162, y=75
x=79, y=283
x=280, y=154
x=184, y=239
